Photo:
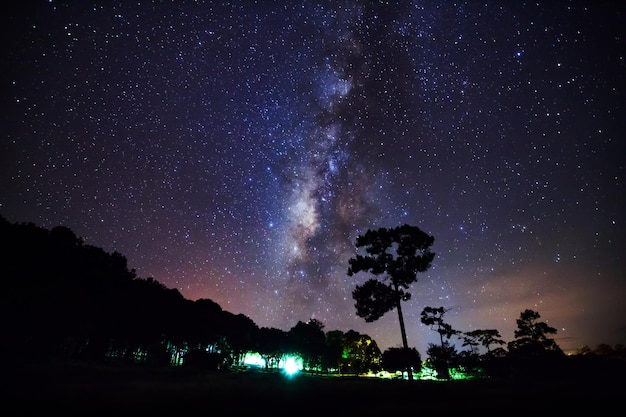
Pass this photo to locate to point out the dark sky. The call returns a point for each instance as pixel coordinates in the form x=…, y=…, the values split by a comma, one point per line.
x=235, y=151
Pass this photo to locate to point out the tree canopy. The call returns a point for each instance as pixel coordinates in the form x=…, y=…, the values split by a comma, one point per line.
x=531, y=336
x=411, y=245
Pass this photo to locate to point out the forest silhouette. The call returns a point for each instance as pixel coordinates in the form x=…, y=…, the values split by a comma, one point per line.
x=65, y=302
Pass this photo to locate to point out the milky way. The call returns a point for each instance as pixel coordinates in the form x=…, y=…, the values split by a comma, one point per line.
x=235, y=151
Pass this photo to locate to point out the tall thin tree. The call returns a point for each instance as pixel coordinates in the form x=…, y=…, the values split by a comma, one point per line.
x=397, y=255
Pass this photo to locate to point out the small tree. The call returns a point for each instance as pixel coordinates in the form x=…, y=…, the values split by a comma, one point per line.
x=531, y=336
x=533, y=353
x=308, y=339
x=471, y=360
x=396, y=358
x=333, y=350
x=399, y=253
x=361, y=353
x=441, y=355
x=272, y=346
x=485, y=338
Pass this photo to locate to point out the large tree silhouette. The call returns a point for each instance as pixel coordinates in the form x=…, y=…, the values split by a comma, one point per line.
x=397, y=254
x=531, y=336
x=533, y=354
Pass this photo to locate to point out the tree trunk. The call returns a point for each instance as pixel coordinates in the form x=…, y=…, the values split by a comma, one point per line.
x=405, y=343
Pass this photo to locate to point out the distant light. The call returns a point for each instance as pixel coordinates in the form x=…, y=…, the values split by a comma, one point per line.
x=292, y=366
x=254, y=359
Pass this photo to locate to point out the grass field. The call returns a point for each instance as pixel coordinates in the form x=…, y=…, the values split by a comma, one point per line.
x=79, y=391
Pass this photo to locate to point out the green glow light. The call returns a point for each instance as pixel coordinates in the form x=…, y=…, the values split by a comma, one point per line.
x=292, y=365
x=253, y=359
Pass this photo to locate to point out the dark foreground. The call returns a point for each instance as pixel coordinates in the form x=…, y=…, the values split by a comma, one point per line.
x=80, y=391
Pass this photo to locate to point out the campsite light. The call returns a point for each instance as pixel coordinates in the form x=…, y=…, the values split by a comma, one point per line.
x=292, y=365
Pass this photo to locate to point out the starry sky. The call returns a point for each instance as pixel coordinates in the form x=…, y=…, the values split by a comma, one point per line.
x=235, y=150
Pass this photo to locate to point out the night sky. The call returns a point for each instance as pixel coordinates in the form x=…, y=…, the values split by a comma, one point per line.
x=235, y=151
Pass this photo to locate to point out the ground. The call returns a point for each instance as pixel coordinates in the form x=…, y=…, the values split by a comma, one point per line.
x=97, y=391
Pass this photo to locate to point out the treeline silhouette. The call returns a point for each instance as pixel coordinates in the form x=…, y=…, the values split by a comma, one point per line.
x=64, y=300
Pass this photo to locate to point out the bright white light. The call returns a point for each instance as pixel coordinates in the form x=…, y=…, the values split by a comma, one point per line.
x=254, y=359
x=292, y=365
